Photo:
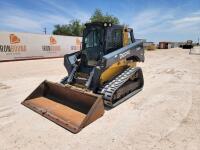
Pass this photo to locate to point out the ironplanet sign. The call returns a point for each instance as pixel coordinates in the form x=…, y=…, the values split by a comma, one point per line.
x=52, y=47
x=13, y=48
x=16, y=45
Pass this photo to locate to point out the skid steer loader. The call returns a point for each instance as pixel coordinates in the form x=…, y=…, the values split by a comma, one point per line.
x=103, y=73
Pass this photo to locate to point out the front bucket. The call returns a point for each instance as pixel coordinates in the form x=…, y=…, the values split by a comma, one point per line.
x=67, y=106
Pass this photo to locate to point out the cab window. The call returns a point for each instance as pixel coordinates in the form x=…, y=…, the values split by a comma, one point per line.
x=92, y=39
x=114, y=39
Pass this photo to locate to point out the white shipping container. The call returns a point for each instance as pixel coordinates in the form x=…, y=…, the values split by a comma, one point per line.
x=20, y=46
x=169, y=45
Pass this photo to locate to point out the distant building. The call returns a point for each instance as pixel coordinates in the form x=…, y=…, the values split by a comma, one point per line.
x=163, y=45
x=167, y=45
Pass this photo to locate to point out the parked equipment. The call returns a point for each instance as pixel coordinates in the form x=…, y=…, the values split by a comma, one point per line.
x=187, y=45
x=104, y=72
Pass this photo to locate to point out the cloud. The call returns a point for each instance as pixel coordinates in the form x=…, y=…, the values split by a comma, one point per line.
x=186, y=25
x=196, y=13
x=18, y=22
x=53, y=19
x=15, y=18
x=159, y=22
x=186, y=20
x=69, y=9
x=150, y=21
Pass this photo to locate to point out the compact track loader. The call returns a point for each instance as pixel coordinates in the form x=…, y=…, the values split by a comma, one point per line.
x=103, y=73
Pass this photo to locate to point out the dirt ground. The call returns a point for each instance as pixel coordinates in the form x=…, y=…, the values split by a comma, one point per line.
x=164, y=116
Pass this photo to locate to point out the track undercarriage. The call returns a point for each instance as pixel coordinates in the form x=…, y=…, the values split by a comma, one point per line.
x=122, y=87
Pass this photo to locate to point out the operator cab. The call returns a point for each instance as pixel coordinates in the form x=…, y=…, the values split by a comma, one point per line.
x=100, y=39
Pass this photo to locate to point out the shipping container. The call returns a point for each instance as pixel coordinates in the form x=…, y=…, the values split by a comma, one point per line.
x=163, y=45
x=21, y=46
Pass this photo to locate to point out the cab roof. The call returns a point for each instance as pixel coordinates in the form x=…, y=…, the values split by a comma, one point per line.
x=103, y=24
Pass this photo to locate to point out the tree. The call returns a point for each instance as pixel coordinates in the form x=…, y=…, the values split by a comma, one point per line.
x=98, y=16
x=74, y=28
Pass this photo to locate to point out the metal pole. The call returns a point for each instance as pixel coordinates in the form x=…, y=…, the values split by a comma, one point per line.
x=45, y=30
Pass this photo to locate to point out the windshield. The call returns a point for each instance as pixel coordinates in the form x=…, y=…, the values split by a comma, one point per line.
x=92, y=38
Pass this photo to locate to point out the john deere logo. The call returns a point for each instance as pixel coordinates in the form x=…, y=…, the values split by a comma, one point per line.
x=52, y=47
x=14, y=47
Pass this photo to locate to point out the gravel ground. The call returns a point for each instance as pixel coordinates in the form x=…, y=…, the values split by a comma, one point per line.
x=165, y=115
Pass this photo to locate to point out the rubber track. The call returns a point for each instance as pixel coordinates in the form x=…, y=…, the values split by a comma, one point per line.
x=110, y=88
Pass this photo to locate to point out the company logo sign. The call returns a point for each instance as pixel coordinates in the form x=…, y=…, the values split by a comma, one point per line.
x=52, y=47
x=14, y=39
x=52, y=40
x=78, y=42
x=77, y=46
x=15, y=46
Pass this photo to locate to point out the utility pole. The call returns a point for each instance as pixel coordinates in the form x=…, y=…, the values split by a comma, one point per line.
x=45, y=30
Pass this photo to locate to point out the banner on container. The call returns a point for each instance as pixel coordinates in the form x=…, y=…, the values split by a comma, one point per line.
x=18, y=46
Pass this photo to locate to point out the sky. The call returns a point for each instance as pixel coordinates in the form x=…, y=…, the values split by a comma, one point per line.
x=153, y=20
